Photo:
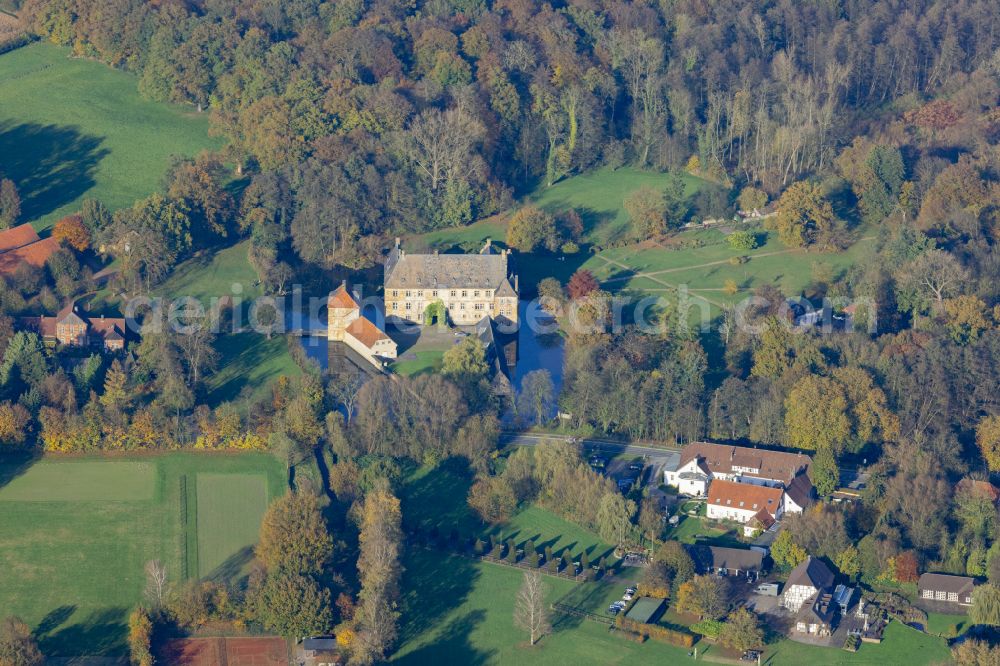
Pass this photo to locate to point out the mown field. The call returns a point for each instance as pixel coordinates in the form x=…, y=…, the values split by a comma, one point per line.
x=77, y=534
x=73, y=128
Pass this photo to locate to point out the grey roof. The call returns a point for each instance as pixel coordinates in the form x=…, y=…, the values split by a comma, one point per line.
x=945, y=583
x=811, y=572
x=800, y=490
x=319, y=644
x=817, y=609
x=445, y=271
x=717, y=557
x=496, y=360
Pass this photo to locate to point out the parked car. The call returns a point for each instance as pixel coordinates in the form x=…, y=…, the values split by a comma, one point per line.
x=627, y=597
x=630, y=590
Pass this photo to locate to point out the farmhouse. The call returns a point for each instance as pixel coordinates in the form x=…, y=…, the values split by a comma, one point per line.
x=727, y=561
x=701, y=462
x=21, y=245
x=742, y=502
x=346, y=324
x=944, y=587
x=72, y=328
x=817, y=615
x=467, y=286
x=806, y=583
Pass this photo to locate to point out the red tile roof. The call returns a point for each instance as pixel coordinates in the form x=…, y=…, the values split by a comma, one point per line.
x=17, y=237
x=723, y=458
x=744, y=496
x=366, y=332
x=34, y=254
x=340, y=298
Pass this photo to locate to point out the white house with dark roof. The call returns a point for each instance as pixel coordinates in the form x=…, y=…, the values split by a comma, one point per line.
x=701, y=462
x=811, y=579
x=471, y=286
x=947, y=588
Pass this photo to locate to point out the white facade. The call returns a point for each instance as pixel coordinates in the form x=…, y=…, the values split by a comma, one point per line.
x=788, y=505
x=796, y=595
x=721, y=512
x=690, y=479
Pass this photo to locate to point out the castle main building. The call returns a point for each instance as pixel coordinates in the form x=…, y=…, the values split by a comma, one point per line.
x=470, y=286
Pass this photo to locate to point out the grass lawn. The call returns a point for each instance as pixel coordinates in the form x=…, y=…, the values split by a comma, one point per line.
x=230, y=508
x=426, y=361
x=249, y=359
x=547, y=529
x=715, y=534
x=458, y=611
x=74, y=128
x=213, y=276
x=73, y=562
x=599, y=196
x=84, y=482
x=945, y=625
x=900, y=645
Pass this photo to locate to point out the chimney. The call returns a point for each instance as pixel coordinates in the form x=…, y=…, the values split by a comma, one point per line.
x=515, y=283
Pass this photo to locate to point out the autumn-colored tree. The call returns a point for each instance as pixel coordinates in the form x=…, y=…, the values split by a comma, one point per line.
x=115, y=395
x=986, y=605
x=18, y=646
x=704, y=596
x=581, y=283
x=531, y=229
x=140, y=634
x=741, y=631
x=804, y=215
x=906, y=567
x=785, y=552
x=492, y=499
x=988, y=439
x=848, y=561
x=936, y=116
x=530, y=609
x=751, y=198
x=730, y=288
x=647, y=210
x=14, y=420
x=816, y=414
x=72, y=231
x=293, y=536
x=967, y=317
x=379, y=570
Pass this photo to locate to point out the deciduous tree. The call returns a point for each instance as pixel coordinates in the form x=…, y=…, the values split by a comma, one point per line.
x=530, y=613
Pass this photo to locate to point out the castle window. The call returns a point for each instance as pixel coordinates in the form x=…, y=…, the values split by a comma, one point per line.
x=489, y=293
x=420, y=293
x=395, y=293
x=435, y=293
x=407, y=293
x=461, y=306
x=464, y=293
x=409, y=306
x=476, y=293
x=479, y=306
x=452, y=293
x=395, y=306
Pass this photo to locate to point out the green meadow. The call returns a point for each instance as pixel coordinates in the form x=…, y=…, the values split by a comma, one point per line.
x=77, y=534
x=72, y=129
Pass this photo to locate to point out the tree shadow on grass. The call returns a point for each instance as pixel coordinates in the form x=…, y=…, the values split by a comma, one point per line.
x=16, y=464
x=102, y=632
x=453, y=645
x=50, y=164
x=434, y=585
x=234, y=569
x=439, y=499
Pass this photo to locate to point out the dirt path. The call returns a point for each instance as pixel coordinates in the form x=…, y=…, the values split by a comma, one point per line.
x=650, y=276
